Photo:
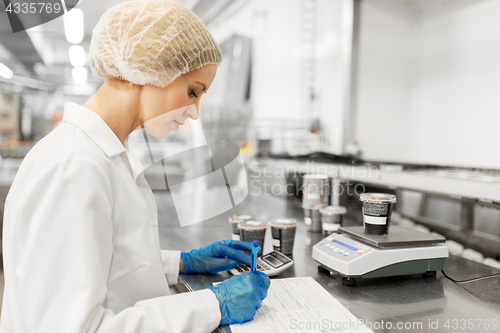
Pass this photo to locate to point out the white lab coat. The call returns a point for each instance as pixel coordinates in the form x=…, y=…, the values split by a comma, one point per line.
x=81, y=246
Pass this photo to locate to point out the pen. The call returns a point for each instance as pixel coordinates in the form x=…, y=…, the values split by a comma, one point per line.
x=255, y=249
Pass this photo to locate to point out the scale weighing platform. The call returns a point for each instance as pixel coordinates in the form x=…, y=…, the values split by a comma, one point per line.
x=354, y=254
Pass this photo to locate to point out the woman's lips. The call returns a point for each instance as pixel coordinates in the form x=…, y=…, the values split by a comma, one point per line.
x=177, y=124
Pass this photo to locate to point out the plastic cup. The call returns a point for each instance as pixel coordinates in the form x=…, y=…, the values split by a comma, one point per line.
x=253, y=230
x=377, y=210
x=315, y=190
x=312, y=218
x=314, y=183
x=311, y=199
x=331, y=218
x=283, y=233
x=235, y=220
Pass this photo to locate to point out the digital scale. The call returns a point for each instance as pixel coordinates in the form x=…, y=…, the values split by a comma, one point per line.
x=354, y=254
x=271, y=264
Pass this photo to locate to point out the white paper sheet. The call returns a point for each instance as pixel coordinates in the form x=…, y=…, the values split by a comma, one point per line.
x=301, y=305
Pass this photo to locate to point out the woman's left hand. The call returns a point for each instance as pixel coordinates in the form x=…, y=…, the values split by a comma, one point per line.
x=216, y=257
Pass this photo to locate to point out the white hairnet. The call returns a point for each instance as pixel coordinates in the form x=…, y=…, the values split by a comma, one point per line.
x=150, y=42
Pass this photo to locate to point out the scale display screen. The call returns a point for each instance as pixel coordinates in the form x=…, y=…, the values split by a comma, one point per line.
x=345, y=245
x=275, y=262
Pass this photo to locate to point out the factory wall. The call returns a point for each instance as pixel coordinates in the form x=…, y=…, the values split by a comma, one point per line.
x=428, y=81
x=384, y=83
x=279, y=68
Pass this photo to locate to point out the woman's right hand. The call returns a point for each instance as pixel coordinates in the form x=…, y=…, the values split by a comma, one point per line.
x=241, y=296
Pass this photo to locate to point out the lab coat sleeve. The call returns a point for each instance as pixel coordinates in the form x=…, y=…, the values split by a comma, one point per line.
x=171, y=260
x=61, y=279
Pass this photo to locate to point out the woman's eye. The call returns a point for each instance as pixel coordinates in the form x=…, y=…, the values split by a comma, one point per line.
x=193, y=94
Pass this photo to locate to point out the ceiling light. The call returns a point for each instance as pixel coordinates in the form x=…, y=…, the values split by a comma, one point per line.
x=79, y=74
x=77, y=56
x=73, y=26
x=6, y=72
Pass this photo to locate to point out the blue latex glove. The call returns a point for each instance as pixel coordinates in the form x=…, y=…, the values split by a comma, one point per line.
x=217, y=257
x=241, y=296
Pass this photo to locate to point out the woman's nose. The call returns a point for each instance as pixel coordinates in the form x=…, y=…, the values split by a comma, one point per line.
x=192, y=111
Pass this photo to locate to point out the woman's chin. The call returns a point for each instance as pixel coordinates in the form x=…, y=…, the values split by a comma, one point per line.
x=163, y=134
x=160, y=134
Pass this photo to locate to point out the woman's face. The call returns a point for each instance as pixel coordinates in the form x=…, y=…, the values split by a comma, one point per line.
x=165, y=109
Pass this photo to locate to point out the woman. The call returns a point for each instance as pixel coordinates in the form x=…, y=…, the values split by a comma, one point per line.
x=81, y=247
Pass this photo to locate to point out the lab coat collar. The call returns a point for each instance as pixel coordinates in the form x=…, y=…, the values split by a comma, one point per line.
x=95, y=127
x=136, y=165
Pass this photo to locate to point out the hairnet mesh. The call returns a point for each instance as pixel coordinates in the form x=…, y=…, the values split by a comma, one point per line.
x=150, y=42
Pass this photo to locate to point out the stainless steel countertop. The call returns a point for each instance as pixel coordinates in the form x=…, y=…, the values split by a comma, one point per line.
x=405, y=299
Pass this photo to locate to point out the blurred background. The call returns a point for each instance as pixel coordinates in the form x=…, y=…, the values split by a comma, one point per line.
x=409, y=86
x=340, y=76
